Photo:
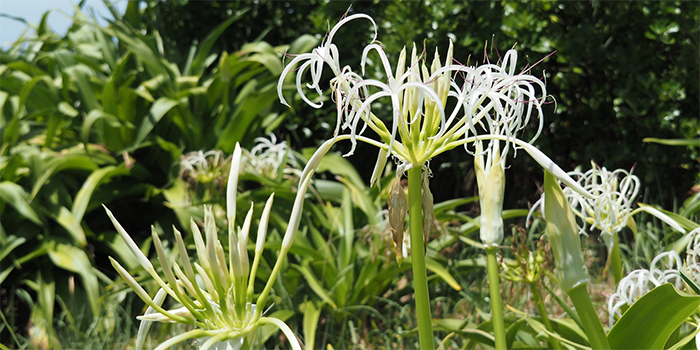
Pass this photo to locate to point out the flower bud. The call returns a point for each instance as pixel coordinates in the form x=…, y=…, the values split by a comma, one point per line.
x=491, y=180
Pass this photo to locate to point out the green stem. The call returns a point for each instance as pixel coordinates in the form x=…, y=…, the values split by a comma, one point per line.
x=499, y=330
x=591, y=323
x=420, y=276
x=615, y=259
x=537, y=298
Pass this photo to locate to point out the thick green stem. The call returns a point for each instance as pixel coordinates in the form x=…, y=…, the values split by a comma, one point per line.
x=499, y=330
x=537, y=298
x=615, y=259
x=420, y=277
x=591, y=323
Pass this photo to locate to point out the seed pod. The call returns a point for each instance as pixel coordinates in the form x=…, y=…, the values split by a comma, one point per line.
x=398, y=207
x=428, y=211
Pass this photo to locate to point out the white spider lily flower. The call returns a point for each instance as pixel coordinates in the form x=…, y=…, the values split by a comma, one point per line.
x=611, y=209
x=202, y=166
x=214, y=294
x=327, y=54
x=267, y=156
x=663, y=269
x=493, y=101
x=608, y=203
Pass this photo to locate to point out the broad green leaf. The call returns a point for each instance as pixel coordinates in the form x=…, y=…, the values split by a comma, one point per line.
x=14, y=195
x=312, y=313
x=162, y=106
x=59, y=163
x=304, y=43
x=204, y=48
x=468, y=331
x=66, y=219
x=96, y=115
x=336, y=165
x=74, y=259
x=651, y=320
x=82, y=198
x=441, y=271
x=687, y=342
x=10, y=244
x=314, y=283
x=81, y=74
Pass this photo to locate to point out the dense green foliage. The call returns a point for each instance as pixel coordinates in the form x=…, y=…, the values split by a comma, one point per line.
x=112, y=115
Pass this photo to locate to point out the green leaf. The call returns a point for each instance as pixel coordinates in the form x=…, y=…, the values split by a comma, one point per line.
x=162, y=106
x=208, y=42
x=14, y=195
x=651, y=320
x=10, y=244
x=76, y=260
x=82, y=198
x=312, y=313
x=57, y=164
x=314, y=283
x=674, y=142
x=467, y=331
x=66, y=219
x=441, y=271
x=96, y=115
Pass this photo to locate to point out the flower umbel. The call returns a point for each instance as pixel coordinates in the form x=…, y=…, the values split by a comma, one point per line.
x=214, y=293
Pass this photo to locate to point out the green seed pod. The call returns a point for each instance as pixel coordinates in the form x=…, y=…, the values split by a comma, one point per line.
x=398, y=207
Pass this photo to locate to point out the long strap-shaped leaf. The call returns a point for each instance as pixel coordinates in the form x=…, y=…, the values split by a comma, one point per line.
x=649, y=322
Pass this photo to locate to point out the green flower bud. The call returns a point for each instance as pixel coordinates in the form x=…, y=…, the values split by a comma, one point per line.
x=491, y=180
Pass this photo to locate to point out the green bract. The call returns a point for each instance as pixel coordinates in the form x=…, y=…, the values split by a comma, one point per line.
x=215, y=293
x=563, y=236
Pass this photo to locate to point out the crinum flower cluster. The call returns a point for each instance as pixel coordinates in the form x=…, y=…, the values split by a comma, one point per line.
x=202, y=167
x=608, y=207
x=663, y=269
x=610, y=210
x=493, y=99
x=267, y=156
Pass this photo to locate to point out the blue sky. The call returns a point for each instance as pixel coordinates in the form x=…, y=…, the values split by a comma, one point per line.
x=59, y=19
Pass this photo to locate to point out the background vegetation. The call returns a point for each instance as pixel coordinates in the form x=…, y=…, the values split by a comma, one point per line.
x=106, y=115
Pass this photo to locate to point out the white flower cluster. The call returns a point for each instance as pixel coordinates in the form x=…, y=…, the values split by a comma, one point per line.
x=608, y=207
x=663, y=269
x=495, y=97
x=267, y=156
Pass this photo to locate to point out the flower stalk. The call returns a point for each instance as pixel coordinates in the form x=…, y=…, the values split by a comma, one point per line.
x=420, y=277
